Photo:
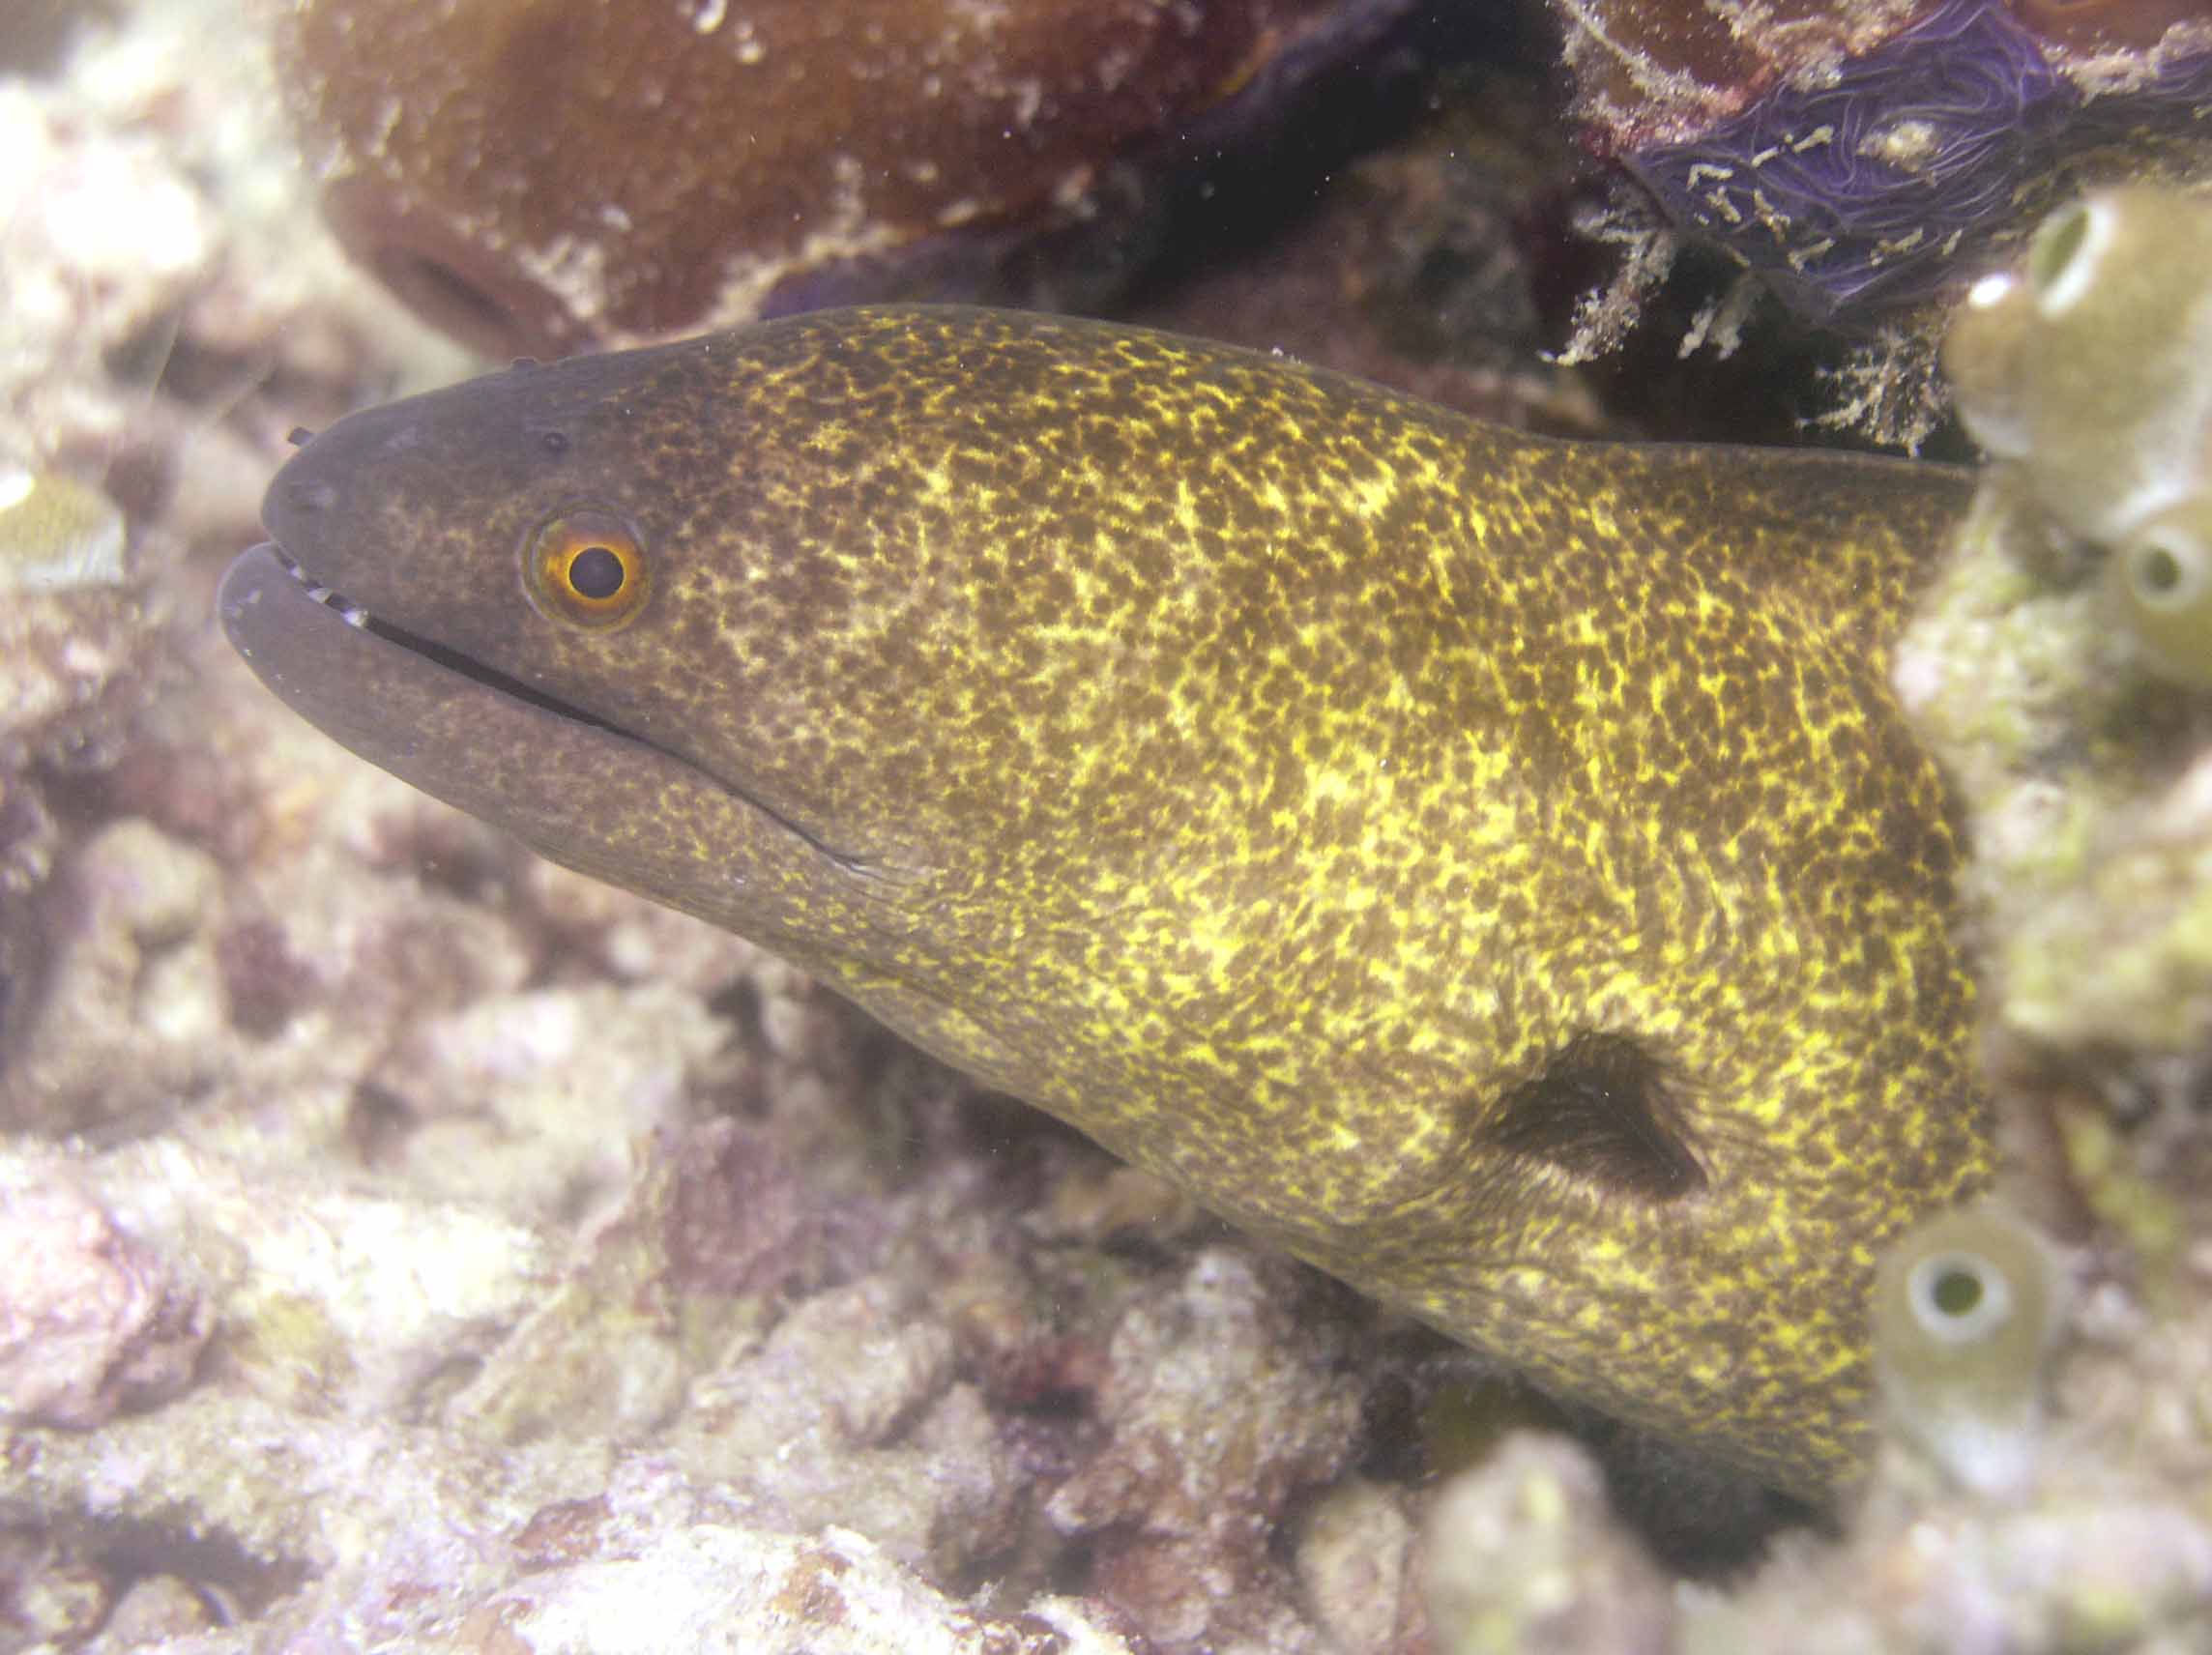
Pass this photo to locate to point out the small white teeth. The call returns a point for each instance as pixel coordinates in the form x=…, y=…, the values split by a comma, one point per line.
x=350, y=612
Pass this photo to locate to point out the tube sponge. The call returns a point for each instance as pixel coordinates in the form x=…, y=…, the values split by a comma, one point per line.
x=1966, y=1307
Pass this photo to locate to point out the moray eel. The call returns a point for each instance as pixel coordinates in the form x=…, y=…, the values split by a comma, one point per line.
x=1491, y=868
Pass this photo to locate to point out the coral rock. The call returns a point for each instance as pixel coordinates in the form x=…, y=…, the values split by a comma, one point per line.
x=91, y=1321
x=1219, y=1412
x=718, y=1590
x=1355, y=1551
x=1521, y=1553
x=135, y=996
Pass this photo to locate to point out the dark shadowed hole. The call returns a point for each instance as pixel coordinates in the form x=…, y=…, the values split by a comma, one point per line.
x=739, y=1002
x=2158, y=570
x=1957, y=1290
x=377, y=1122
x=2057, y=245
x=233, y=1578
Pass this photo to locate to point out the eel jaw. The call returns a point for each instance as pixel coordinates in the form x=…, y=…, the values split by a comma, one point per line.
x=453, y=660
x=351, y=612
x=548, y=772
x=416, y=709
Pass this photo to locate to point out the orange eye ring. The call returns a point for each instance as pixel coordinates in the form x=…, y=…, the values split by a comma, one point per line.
x=585, y=567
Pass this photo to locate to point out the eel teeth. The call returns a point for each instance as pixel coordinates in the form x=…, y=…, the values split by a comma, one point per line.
x=348, y=611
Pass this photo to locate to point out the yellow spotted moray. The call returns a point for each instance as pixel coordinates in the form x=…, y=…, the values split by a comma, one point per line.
x=1492, y=868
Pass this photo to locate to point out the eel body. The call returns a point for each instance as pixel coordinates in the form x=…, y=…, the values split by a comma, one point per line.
x=1492, y=868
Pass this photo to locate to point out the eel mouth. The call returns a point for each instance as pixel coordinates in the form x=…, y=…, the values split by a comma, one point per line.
x=437, y=653
x=406, y=664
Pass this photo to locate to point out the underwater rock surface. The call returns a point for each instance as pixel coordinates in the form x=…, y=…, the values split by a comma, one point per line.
x=509, y=1199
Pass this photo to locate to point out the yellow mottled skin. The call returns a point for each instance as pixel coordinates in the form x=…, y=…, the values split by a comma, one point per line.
x=1317, y=796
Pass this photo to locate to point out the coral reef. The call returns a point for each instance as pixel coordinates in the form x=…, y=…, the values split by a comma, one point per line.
x=1864, y=162
x=539, y=177
x=2035, y=674
x=157, y=312
x=405, y=1244
x=2082, y=372
x=1852, y=193
x=1217, y=1357
x=132, y=992
x=1849, y=154
x=1523, y=1554
x=2073, y=723
x=76, y=636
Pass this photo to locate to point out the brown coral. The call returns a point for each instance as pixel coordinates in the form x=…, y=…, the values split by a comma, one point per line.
x=541, y=175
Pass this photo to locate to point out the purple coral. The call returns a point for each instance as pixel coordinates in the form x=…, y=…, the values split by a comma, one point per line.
x=1853, y=195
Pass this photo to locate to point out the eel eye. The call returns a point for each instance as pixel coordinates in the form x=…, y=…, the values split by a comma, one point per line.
x=586, y=566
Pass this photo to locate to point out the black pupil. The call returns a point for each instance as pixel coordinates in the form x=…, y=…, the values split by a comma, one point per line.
x=1957, y=1292
x=595, y=573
